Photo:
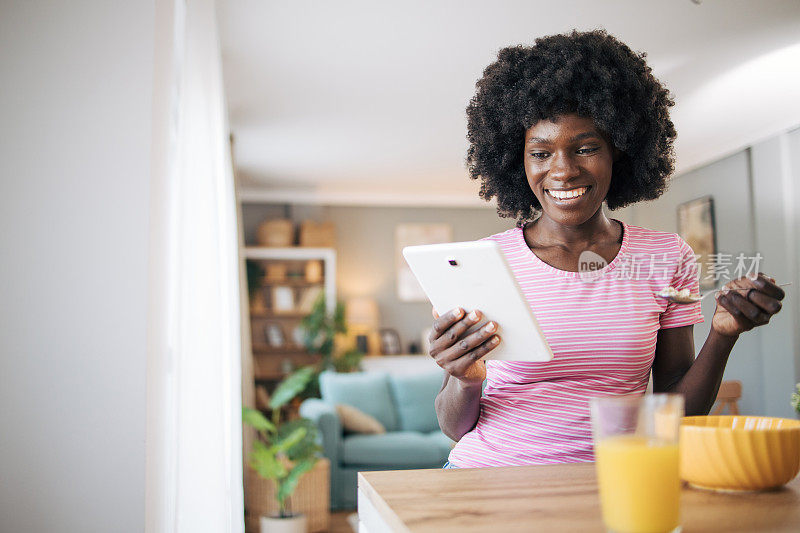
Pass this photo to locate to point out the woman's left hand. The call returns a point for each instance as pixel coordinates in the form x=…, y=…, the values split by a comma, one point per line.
x=742, y=310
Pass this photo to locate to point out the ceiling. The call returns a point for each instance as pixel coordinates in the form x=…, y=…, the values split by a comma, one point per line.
x=363, y=102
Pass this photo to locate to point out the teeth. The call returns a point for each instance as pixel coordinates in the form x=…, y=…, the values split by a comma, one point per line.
x=564, y=195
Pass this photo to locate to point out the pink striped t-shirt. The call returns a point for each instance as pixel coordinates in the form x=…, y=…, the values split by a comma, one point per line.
x=602, y=331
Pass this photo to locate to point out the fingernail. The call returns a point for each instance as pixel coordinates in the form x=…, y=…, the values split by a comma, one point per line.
x=473, y=315
x=490, y=327
x=458, y=312
x=495, y=339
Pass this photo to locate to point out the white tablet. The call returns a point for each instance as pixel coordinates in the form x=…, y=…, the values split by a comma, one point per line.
x=475, y=275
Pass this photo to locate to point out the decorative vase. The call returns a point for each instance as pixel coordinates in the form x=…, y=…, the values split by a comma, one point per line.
x=292, y=524
x=258, y=304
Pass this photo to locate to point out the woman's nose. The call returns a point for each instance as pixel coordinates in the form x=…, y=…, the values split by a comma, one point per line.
x=563, y=166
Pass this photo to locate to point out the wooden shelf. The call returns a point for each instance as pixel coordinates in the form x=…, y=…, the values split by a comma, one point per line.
x=272, y=314
x=285, y=350
x=269, y=377
x=296, y=282
x=269, y=365
x=293, y=253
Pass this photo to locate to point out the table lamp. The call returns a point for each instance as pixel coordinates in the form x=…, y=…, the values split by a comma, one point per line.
x=363, y=318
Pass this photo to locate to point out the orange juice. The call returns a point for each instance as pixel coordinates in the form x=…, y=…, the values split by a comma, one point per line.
x=639, y=484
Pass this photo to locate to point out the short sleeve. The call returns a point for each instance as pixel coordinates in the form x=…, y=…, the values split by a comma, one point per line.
x=686, y=276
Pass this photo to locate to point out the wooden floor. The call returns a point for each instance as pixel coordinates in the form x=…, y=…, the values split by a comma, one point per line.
x=339, y=522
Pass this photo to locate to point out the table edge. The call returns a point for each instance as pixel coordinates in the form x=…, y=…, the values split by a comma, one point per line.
x=380, y=504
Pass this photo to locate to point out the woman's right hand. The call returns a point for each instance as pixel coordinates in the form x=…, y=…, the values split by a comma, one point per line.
x=459, y=354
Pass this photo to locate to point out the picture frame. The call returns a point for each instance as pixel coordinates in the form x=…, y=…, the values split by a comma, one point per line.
x=696, y=225
x=274, y=334
x=282, y=299
x=390, y=341
x=299, y=336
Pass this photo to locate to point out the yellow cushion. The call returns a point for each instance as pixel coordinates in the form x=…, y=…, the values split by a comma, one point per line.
x=357, y=421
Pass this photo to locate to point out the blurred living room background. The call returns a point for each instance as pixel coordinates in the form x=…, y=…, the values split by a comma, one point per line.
x=183, y=181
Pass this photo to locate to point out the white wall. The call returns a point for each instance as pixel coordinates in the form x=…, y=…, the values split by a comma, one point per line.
x=75, y=103
x=775, y=233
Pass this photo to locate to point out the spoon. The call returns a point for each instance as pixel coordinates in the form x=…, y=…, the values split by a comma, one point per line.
x=694, y=298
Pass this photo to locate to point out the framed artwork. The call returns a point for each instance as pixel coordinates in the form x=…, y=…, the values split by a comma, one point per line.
x=696, y=226
x=273, y=332
x=408, y=290
x=282, y=299
x=390, y=341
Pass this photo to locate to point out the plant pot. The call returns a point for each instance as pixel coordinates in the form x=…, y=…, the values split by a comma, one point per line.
x=293, y=524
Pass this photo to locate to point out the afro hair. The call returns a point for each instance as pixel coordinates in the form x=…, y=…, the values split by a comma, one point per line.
x=591, y=74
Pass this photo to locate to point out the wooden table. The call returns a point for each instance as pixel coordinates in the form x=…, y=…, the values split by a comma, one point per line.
x=544, y=498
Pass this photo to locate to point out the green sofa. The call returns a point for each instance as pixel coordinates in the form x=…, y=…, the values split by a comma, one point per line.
x=402, y=403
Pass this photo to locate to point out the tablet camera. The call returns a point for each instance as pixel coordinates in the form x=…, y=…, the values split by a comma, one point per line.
x=452, y=262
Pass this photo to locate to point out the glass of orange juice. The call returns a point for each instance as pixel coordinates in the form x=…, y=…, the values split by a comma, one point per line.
x=636, y=454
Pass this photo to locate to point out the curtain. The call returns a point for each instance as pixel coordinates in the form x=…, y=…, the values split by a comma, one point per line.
x=194, y=433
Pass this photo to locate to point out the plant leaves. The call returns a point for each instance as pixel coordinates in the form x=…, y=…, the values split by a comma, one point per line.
x=314, y=321
x=264, y=460
x=307, y=446
x=339, y=325
x=255, y=419
x=285, y=443
x=255, y=275
x=290, y=387
x=312, y=391
x=286, y=487
x=349, y=361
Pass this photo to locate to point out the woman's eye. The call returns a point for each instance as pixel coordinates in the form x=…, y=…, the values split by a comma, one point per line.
x=591, y=150
x=539, y=155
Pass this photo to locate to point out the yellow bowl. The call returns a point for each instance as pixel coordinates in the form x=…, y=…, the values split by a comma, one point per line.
x=737, y=453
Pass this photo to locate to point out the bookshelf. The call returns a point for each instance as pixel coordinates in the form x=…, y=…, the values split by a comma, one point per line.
x=293, y=278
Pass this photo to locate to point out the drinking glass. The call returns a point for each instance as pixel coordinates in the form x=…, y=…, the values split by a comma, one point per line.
x=636, y=454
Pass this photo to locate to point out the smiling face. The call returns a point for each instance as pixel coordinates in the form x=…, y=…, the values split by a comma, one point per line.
x=568, y=165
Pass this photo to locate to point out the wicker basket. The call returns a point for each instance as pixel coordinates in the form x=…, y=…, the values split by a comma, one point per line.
x=311, y=497
x=317, y=234
x=277, y=232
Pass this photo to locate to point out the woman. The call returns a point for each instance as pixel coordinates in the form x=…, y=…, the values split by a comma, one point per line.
x=556, y=129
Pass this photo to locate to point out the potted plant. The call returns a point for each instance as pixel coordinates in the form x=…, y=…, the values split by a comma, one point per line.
x=321, y=330
x=796, y=398
x=283, y=451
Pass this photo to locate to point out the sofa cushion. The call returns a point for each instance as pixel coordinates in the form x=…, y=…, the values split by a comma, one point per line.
x=398, y=449
x=367, y=391
x=357, y=421
x=414, y=396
